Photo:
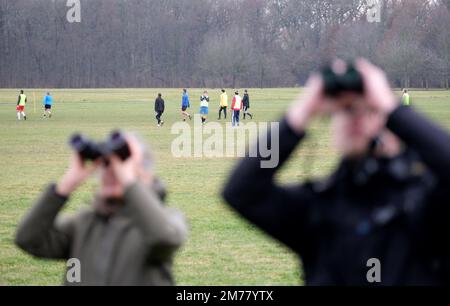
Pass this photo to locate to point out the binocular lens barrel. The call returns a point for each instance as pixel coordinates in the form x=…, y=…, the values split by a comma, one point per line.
x=335, y=84
x=86, y=149
x=118, y=145
x=90, y=150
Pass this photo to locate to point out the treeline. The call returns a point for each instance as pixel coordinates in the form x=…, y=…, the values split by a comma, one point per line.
x=215, y=43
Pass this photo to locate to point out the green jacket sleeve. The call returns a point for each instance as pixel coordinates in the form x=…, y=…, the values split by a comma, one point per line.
x=164, y=230
x=42, y=233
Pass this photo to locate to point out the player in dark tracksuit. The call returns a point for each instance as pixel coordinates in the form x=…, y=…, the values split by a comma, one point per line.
x=159, y=109
x=246, y=103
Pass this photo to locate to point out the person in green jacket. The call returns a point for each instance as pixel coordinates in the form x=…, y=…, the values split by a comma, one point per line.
x=126, y=236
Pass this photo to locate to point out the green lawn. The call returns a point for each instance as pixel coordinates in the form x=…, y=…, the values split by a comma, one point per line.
x=222, y=249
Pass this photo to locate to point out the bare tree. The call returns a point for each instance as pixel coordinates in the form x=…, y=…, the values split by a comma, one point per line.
x=174, y=43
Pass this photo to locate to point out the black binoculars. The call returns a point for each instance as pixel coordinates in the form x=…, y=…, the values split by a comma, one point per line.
x=348, y=81
x=116, y=144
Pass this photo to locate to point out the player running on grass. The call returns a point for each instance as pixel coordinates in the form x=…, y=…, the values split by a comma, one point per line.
x=246, y=103
x=406, y=99
x=159, y=109
x=236, y=107
x=48, y=102
x=22, y=100
x=204, y=106
x=223, y=104
x=185, y=104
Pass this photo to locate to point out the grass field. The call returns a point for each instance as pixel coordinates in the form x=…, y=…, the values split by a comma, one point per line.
x=222, y=249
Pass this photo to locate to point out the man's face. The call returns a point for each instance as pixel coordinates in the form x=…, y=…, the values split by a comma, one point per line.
x=110, y=187
x=355, y=125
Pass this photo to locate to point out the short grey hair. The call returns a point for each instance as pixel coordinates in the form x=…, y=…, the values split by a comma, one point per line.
x=148, y=161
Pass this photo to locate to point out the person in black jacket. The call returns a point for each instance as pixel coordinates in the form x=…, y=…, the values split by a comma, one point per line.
x=387, y=203
x=159, y=109
x=246, y=102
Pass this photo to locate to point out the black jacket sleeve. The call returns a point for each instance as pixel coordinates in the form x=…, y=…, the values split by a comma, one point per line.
x=429, y=140
x=252, y=191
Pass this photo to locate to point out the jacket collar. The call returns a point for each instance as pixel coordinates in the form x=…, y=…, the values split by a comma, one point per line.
x=362, y=172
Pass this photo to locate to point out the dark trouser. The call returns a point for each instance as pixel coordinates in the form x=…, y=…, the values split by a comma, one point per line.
x=235, y=119
x=246, y=112
x=224, y=109
x=158, y=116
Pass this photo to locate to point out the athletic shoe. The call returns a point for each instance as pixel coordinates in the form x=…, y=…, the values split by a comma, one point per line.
x=24, y=117
x=162, y=123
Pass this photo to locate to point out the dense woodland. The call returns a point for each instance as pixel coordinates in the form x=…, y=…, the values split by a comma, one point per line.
x=217, y=43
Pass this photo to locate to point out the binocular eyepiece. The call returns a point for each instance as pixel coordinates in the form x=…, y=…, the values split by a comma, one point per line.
x=89, y=150
x=350, y=80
